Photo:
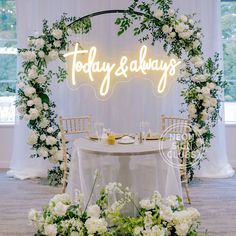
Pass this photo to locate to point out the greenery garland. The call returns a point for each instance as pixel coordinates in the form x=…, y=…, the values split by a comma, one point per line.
x=202, y=80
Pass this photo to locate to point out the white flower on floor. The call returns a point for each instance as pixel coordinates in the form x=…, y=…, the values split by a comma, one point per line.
x=182, y=229
x=95, y=225
x=60, y=209
x=147, y=204
x=33, y=138
x=33, y=215
x=94, y=211
x=50, y=230
x=50, y=140
x=57, y=33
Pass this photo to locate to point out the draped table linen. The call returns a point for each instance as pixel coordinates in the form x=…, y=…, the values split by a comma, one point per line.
x=140, y=167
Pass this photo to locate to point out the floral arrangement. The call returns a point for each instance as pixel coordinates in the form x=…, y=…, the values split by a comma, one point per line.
x=155, y=216
x=201, y=79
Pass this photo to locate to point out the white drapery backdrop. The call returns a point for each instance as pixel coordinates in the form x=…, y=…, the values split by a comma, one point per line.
x=131, y=102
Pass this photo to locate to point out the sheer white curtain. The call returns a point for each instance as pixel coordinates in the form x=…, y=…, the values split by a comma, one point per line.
x=131, y=102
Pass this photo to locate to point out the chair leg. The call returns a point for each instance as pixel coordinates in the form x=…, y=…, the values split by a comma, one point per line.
x=187, y=192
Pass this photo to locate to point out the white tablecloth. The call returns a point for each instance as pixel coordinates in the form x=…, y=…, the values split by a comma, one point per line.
x=138, y=166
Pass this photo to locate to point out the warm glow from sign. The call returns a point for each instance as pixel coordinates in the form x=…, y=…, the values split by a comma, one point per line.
x=106, y=73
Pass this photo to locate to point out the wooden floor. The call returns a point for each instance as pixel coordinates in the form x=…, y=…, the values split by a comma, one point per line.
x=214, y=198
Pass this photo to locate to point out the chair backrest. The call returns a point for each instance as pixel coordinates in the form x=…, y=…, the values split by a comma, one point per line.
x=180, y=127
x=72, y=127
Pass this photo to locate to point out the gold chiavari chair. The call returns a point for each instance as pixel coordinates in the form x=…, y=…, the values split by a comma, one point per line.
x=70, y=127
x=180, y=128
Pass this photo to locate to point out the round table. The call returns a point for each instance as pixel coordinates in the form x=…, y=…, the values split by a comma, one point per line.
x=141, y=167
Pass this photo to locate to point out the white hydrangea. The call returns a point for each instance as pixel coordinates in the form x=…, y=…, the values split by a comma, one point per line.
x=172, y=201
x=29, y=91
x=50, y=230
x=94, y=211
x=57, y=33
x=33, y=138
x=60, y=209
x=33, y=113
x=95, y=225
x=147, y=204
x=166, y=213
x=50, y=140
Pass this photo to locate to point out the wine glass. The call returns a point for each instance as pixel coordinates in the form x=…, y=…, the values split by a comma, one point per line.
x=144, y=129
x=99, y=126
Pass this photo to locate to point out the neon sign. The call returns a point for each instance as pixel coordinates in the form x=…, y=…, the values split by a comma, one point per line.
x=103, y=75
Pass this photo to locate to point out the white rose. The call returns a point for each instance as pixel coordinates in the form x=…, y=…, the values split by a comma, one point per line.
x=43, y=152
x=29, y=91
x=28, y=56
x=33, y=138
x=199, y=142
x=44, y=123
x=172, y=34
x=58, y=156
x=180, y=27
x=197, y=61
x=213, y=102
x=94, y=225
x=60, y=209
x=211, y=86
x=39, y=43
x=185, y=35
x=183, y=18
x=57, y=33
x=33, y=113
x=53, y=55
x=38, y=102
x=192, y=110
x=159, y=13
x=182, y=229
x=206, y=103
x=50, y=230
x=57, y=44
x=42, y=137
x=50, y=130
x=196, y=43
x=41, y=54
x=204, y=115
x=41, y=79
x=205, y=91
x=147, y=204
x=32, y=74
x=171, y=12
x=50, y=140
x=21, y=85
x=166, y=29
x=30, y=103
x=94, y=211
x=201, y=78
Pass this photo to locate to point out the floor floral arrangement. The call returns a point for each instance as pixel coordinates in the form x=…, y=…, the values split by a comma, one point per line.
x=155, y=216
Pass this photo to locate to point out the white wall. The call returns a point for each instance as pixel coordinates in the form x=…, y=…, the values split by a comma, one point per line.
x=6, y=137
x=6, y=146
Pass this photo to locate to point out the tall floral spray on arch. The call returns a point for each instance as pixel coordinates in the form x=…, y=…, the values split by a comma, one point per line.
x=156, y=21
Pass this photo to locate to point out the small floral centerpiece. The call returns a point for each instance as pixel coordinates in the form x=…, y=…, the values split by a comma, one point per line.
x=155, y=216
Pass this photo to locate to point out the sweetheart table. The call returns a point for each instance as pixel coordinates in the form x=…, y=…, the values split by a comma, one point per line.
x=138, y=166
